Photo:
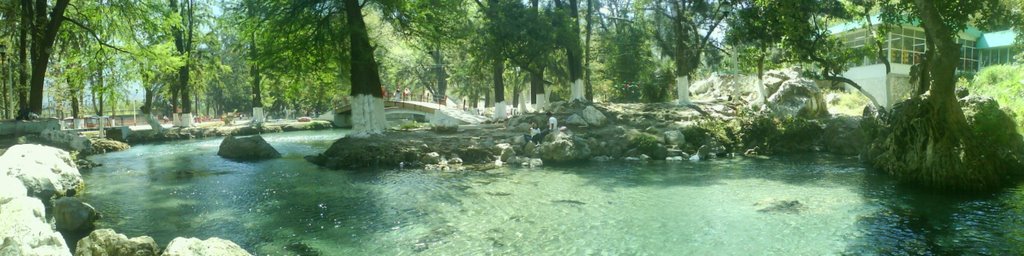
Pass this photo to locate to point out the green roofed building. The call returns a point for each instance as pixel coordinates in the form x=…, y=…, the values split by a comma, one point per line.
x=905, y=47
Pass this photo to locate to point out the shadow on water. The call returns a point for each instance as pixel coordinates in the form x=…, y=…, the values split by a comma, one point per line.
x=915, y=221
x=802, y=170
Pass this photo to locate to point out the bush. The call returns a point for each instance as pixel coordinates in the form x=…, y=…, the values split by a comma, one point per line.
x=411, y=125
x=1005, y=83
x=649, y=145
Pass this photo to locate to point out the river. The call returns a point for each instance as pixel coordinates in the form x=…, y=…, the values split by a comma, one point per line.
x=289, y=206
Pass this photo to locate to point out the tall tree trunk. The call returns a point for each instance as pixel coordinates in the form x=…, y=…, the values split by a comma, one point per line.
x=367, y=97
x=21, y=87
x=498, y=70
x=586, y=63
x=257, y=93
x=442, y=76
x=42, y=47
x=537, y=95
x=573, y=52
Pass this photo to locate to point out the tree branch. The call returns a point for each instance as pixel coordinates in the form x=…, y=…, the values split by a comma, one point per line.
x=94, y=35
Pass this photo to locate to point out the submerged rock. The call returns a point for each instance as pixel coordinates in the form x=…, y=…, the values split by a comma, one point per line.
x=210, y=247
x=781, y=206
x=73, y=215
x=105, y=242
x=247, y=148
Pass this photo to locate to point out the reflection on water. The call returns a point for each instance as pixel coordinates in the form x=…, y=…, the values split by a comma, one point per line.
x=289, y=206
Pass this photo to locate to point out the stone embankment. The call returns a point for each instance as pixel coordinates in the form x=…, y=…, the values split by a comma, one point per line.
x=39, y=183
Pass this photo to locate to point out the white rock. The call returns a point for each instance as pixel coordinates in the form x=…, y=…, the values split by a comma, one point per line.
x=210, y=247
x=535, y=162
x=44, y=171
x=674, y=158
x=105, y=242
x=11, y=188
x=24, y=230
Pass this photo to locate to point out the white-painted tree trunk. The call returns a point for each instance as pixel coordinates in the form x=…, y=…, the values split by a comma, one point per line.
x=499, y=111
x=762, y=95
x=186, y=120
x=176, y=120
x=542, y=101
x=79, y=123
x=683, y=90
x=257, y=116
x=153, y=123
x=523, y=98
x=577, y=91
x=367, y=115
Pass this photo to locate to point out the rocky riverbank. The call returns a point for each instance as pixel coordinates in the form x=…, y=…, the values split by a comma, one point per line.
x=602, y=132
x=38, y=185
x=177, y=133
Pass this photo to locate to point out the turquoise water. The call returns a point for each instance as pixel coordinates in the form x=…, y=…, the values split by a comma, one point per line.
x=288, y=206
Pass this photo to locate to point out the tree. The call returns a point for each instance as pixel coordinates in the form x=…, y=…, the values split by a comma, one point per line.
x=926, y=139
x=568, y=24
x=690, y=24
x=43, y=30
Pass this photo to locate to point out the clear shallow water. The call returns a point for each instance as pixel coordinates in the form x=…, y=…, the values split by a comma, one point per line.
x=288, y=206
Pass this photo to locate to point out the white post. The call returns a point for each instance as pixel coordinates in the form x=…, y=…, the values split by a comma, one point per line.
x=683, y=90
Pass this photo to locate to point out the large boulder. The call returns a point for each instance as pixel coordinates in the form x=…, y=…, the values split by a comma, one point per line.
x=505, y=151
x=210, y=247
x=100, y=146
x=798, y=97
x=561, y=148
x=718, y=86
x=106, y=242
x=843, y=136
x=73, y=215
x=44, y=171
x=11, y=188
x=24, y=230
x=247, y=148
x=773, y=79
x=575, y=120
x=593, y=116
x=676, y=138
x=442, y=121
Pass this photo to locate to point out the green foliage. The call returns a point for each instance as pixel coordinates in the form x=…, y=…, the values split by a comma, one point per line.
x=412, y=125
x=848, y=103
x=644, y=141
x=1004, y=84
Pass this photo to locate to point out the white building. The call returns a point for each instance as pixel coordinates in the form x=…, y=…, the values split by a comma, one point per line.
x=905, y=47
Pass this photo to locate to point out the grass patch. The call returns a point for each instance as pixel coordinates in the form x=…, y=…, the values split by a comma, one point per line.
x=846, y=103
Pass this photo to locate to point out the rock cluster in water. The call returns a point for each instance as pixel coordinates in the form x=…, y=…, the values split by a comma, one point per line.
x=36, y=180
x=247, y=148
